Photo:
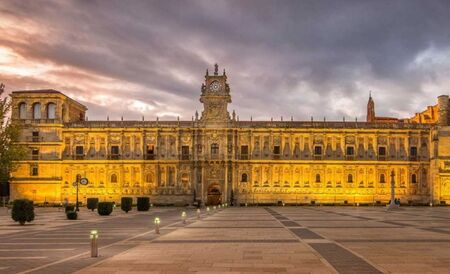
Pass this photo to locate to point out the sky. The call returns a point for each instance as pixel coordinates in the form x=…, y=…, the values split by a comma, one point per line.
x=283, y=58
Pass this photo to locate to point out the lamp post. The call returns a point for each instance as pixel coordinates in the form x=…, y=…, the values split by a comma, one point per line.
x=78, y=181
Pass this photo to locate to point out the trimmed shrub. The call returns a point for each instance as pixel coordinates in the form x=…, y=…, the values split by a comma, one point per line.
x=92, y=203
x=69, y=208
x=126, y=204
x=22, y=211
x=104, y=208
x=72, y=215
x=143, y=203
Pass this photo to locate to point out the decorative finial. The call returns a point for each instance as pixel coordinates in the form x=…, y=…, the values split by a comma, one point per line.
x=196, y=115
x=281, y=118
x=234, y=115
x=2, y=88
x=121, y=118
x=207, y=72
x=216, y=69
x=143, y=118
x=107, y=118
x=292, y=118
x=370, y=94
x=224, y=74
x=251, y=118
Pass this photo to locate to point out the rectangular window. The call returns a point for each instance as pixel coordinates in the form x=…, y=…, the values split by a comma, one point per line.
x=34, y=170
x=35, y=136
x=214, y=149
x=244, y=152
x=79, y=152
x=318, y=150
x=413, y=153
x=35, y=153
x=276, y=150
x=381, y=153
x=114, y=152
x=150, y=155
x=350, y=153
x=185, y=153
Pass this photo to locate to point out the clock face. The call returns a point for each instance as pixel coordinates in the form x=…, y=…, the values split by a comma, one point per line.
x=214, y=86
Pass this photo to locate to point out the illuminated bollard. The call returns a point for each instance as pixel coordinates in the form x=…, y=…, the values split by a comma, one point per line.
x=157, y=222
x=207, y=210
x=198, y=213
x=94, y=244
x=183, y=217
x=220, y=207
x=214, y=208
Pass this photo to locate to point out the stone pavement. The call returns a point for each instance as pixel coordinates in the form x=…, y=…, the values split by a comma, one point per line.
x=296, y=240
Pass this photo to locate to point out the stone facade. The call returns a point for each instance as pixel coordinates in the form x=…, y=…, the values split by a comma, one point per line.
x=216, y=157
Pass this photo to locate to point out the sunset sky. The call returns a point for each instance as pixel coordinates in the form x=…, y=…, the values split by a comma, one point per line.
x=283, y=58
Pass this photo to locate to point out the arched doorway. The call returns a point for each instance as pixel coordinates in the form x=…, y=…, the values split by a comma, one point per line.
x=214, y=195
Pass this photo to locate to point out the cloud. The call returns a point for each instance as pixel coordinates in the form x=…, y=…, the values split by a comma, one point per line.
x=296, y=58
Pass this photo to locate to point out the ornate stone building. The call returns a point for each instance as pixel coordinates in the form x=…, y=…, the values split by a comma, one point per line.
x=216, y=158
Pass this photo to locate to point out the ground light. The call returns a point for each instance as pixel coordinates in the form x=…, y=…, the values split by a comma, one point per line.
x=157, y=221
x=183, y=217
x=94, y=243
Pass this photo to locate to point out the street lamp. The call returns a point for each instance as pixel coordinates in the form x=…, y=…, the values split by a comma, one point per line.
x=78, y=181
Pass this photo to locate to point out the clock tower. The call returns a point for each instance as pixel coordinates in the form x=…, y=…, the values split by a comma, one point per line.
x=215, y=98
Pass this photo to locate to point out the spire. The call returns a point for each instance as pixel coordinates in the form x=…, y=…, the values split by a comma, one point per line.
x=370, y=109
x=207, y=73
x=216, y=69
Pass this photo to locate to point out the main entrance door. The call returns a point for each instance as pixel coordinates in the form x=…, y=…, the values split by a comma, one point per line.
x=214, y=195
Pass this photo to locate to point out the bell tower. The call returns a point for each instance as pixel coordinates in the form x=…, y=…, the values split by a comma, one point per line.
x=215, y=98
x=370, y=110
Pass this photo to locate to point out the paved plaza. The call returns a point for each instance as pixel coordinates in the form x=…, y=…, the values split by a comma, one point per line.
x=317, y=239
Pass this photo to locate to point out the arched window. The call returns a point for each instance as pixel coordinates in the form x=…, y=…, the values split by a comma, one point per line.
x=51, y=111
x=414, y=178
x=113, y=178
x=382, y=178
x=22, y=111
x=37, y=111
x=317, y=178
x=214, y=149
x=244, y=177
x=350, y=178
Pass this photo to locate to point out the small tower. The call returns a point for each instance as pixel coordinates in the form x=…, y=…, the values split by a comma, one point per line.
x=443, y=105
x=370, y=109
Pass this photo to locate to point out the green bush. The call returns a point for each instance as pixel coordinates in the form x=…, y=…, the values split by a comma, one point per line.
x=92, y=203
x=143, y=203
x=22, y=211
x=72, y=215
x=104, y=208
x=126, y=204
x=69, y=208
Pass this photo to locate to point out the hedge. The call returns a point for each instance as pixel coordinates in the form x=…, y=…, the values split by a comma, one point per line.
x=143, y=203
x=126, y=204
x=22, y=211
x=72, y=215
x=92, y=203
x=104, y=208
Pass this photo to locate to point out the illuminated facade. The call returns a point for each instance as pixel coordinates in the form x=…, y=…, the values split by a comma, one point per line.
x=216, y=157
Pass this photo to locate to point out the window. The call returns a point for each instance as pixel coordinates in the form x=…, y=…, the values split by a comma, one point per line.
x=185, y=153
x=350, y=151
x=318, y=150
x=22, y=111
x=382, y=179
x=413, y=153
x=214, y=149
x=150, y=152
x=149, y=178
x=350, y=178
x=113, y=178
x=244, y=178
x=79, y=152
x=35, y=154
x=276, y=150
x=414, y=178
x=114, y=152
x=381, y=153
x=37, y=111
x=34, y=170
x=317, y=178
x=51, y=111
x=244, y=152
x=35, y=136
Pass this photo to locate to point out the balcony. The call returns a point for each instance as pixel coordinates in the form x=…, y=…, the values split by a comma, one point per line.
x=244, y=157
x=276, y=156
x=349, y=157
x=114, y=157
x=150, y=157
x=185, y=157
x=413, y=158
x=382, y=157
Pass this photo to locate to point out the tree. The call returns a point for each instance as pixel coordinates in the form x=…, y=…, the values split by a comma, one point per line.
x=10, y=151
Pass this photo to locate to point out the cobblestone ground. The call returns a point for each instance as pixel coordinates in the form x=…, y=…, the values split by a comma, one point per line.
x=240, y=240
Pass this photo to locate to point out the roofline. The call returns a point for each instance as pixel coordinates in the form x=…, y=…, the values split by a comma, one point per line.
x=53, y=91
